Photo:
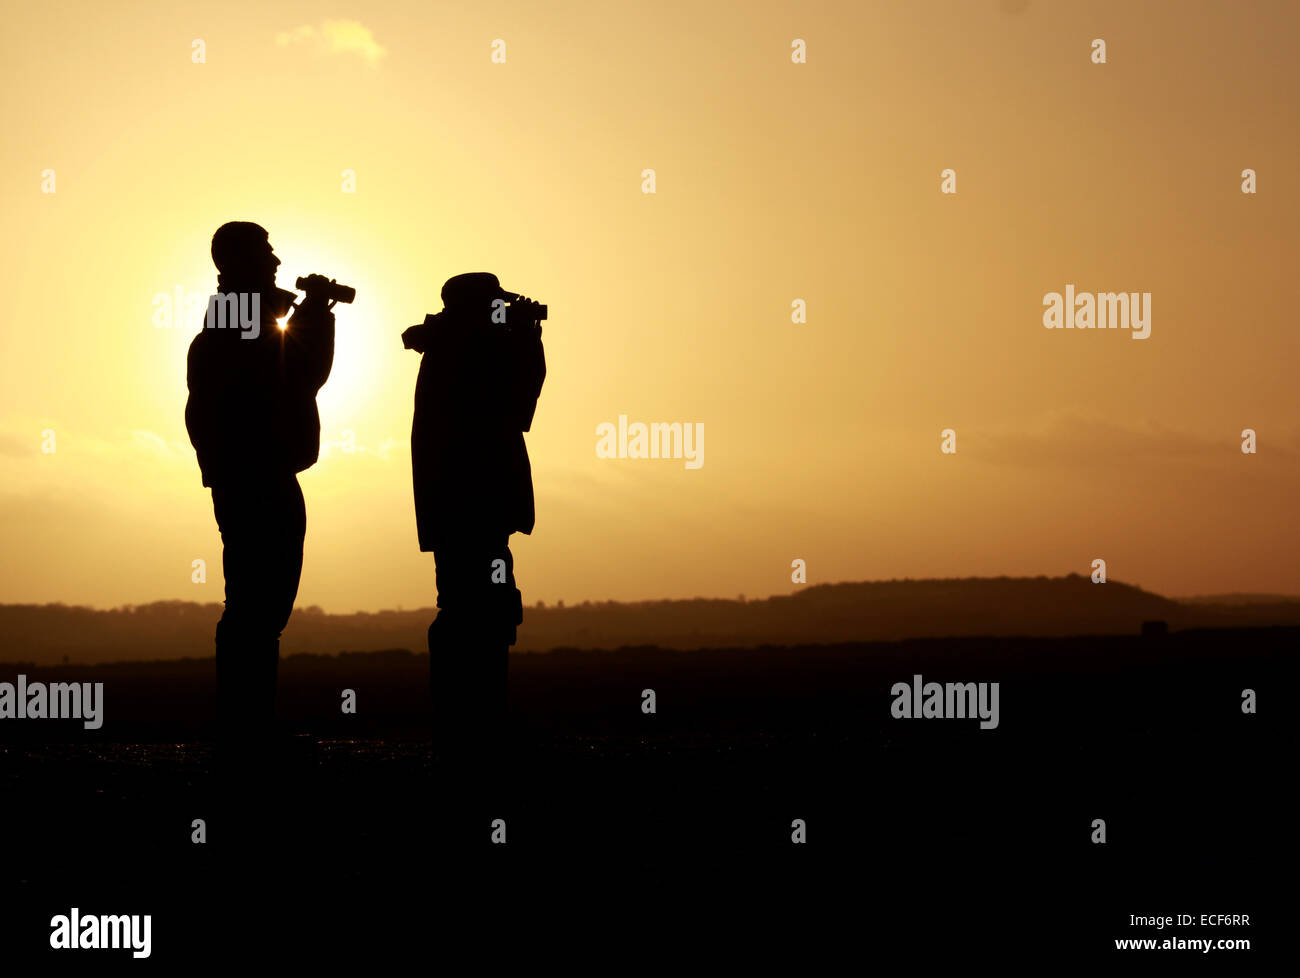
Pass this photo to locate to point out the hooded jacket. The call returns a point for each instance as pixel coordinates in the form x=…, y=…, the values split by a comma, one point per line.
x=475, y=397
x=251, y=413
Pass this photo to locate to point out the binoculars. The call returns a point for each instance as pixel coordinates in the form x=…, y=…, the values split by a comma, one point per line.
x=527, y=309
x=326, y=288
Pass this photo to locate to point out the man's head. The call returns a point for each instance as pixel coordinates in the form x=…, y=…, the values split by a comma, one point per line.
x=471, y=294
x=242, y=251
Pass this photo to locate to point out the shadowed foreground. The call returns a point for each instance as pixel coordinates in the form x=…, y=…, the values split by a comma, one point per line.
x=918, y=831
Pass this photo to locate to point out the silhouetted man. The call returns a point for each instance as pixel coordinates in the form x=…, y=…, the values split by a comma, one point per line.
x=480, y=378
x=252, y=418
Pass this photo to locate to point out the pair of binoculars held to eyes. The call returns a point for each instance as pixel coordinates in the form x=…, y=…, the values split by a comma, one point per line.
x=325, y=288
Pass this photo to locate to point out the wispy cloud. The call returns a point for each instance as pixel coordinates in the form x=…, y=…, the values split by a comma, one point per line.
x=154, y=444
x=1071, y=439
x=337, y=37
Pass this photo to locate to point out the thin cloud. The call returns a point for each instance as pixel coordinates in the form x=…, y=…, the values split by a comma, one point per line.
x=337, y=37
x=154, y=444
x=1074, y=440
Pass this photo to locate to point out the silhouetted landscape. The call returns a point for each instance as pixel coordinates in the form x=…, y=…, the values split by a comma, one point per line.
x=1144, y=729
x=824, y=613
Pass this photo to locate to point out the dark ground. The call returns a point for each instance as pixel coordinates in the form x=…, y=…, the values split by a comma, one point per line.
x=925, y=838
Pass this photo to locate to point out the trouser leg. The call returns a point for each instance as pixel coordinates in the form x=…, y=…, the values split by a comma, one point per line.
x=262, y=530
x=469, y=643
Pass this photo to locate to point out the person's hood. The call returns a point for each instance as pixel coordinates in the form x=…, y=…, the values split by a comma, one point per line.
x=440, y=329
x=420, y=338
x=274, y=302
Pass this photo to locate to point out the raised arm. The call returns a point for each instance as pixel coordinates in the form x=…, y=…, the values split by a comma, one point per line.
x=309, y=344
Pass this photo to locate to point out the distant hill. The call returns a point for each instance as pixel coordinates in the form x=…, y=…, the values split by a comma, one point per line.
x=1238, y=597
x=824, y=613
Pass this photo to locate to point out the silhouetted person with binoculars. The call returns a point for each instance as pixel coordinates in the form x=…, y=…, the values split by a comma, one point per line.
x=252, y=418
x=480, y=377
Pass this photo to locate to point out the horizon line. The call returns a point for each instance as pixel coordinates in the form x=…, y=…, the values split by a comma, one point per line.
x=561, y=605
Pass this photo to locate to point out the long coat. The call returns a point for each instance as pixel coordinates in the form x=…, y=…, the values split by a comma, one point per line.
x=475, y=397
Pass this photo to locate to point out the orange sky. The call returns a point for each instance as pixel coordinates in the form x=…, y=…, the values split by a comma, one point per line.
x=775, y=181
